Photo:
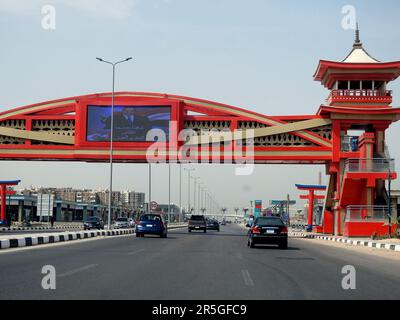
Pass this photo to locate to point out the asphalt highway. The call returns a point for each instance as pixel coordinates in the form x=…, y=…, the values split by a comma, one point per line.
x=214, y=265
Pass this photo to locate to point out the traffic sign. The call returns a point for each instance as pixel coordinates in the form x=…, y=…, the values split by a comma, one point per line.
x=45, y=204
x=153, y=205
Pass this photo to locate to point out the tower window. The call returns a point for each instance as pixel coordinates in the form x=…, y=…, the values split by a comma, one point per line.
x=342, y=85
x=367, y=85
x=355, y=85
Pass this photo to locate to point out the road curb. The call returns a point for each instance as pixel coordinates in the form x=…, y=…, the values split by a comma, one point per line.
x=33, y=241
x=360, y=243
x=40, y=228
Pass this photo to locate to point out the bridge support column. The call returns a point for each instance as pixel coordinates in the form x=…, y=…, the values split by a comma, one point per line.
x=310, y=210
x=338, y=216
x=3, y=202
x=20, y=210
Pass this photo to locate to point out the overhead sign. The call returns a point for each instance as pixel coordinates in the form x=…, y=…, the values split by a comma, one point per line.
x=257, y=208
x=44, y=205
x=281, y=202
x=153, y=205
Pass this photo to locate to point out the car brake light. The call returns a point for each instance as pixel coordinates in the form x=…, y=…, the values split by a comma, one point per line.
x=255, y=230
x=284, y=230
x=137, y=222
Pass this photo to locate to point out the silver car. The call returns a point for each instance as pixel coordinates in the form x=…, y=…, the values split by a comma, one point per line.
x=121, y=222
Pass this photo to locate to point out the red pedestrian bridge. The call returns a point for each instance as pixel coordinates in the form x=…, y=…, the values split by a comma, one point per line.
x=164, y=127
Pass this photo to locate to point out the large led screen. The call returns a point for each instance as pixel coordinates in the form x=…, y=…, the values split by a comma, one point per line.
x=131, y=123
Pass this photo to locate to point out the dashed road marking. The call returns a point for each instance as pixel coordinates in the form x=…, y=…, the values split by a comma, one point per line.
x=247, y=278
x=134, y=252
x=73, y=271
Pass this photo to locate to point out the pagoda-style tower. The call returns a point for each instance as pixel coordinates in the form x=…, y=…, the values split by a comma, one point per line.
x=359, y=105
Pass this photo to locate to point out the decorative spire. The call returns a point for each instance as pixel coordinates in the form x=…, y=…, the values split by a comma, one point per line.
x=357, y=42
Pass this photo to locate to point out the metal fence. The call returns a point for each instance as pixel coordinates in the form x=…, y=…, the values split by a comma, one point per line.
x=369, y=165
x=363, y=213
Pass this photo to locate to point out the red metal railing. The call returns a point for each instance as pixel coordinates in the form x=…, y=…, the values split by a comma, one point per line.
x=355, y=94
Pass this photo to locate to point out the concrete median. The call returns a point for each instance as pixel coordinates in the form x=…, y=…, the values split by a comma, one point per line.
x=17, y=241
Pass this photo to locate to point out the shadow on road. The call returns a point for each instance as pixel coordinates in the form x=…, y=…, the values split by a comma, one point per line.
x=271, y=247
x=212, y=233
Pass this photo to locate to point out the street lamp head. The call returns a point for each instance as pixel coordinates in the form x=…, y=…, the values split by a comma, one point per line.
x=127, y=59
x=100, y=59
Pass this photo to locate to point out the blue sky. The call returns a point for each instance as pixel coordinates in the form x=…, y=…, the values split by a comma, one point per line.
x=254, y=54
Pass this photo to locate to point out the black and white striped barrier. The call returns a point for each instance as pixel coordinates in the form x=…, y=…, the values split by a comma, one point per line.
x=33, y=241
x=41, y=228
x=360, y=243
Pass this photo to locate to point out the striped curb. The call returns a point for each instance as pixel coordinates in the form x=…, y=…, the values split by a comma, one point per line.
x=32, y=240
x=40, y=228
x=297, y=234
x=61, y=228
x=360, y=243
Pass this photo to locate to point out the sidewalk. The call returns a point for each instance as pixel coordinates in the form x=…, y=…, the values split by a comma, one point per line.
x=392, y=244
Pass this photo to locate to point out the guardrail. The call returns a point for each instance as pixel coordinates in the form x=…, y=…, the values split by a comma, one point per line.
x=369, y=165
x=363, y=213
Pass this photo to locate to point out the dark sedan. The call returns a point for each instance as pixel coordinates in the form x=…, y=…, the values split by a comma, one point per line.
x=212, y=224
x=268, y=230
x=93, y=223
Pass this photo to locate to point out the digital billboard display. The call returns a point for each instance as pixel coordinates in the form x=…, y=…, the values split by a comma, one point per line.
x=131, y=123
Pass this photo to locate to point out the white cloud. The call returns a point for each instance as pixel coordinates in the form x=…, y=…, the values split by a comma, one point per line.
x=117, y=9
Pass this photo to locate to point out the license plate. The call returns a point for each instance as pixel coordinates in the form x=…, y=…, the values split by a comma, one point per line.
x=270, y=231
x=197, y=227
x=149, y=225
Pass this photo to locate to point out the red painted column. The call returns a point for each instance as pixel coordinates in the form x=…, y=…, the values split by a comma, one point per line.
x=3, y=202
x=310, y=208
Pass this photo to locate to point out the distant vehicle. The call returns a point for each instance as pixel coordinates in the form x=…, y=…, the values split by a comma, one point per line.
x=93, y=223
x=121, y=222
x=131, y=222
x=197, y=222
x=212, y=224
x=151, y=223
x=268, y=230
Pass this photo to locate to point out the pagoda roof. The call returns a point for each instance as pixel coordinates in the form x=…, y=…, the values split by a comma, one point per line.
x=326, y=110
x=358, y=61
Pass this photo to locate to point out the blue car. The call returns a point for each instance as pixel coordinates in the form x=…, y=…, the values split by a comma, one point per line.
x=151, y=223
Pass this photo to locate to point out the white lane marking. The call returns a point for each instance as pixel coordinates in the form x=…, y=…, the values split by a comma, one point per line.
x=134, y=252
x=239, y=256
x=247, y=278
x=73, y=271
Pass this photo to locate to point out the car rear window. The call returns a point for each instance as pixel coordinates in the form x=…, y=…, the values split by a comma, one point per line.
x=93, y=219
x=150, y=217
x=197, y=218
x=276, y=222
x=122, y=219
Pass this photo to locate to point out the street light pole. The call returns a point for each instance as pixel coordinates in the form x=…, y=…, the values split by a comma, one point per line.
x=149, y=187
x=169, y=193
x=113, y=64
x=180, y=192
x=198, y=197
x=390, y=203
x=188, y=171
x=194, y=195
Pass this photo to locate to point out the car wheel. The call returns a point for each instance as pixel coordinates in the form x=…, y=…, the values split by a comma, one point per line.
x=205, y=230
x=137, y=235
x=252, y=244
x=189, y=230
